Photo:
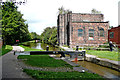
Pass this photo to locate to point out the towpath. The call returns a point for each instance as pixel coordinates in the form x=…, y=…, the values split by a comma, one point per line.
x=10, y=67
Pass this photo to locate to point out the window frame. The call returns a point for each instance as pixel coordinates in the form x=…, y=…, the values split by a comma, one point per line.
x=111, y=33
x=80, y=32
x=103, y=34
x=91, y=31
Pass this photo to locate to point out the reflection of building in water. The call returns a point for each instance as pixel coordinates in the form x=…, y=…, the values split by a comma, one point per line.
x=81, y=28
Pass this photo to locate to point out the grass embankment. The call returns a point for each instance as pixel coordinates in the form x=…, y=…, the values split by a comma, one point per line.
x=105, y=54
x=43, y=61
x=29, y=49
x=5, y=49
x=62, y=75
x=46, y=61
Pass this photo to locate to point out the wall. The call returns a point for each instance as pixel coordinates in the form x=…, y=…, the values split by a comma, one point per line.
x=84, y=21
x=116, y=37
x=87, y=17
x=85, y=38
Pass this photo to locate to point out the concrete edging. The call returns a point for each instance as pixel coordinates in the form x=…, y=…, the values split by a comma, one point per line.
x=104, y=62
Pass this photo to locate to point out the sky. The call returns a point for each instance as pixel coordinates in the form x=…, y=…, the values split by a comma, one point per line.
x=43, y=13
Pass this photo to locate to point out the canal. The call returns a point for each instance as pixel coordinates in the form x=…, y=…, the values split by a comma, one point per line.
x=42, y=46
x=103, y=71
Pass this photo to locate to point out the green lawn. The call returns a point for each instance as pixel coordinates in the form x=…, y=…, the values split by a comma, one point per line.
x=29, y=49
x=43, y=61
x=6, y=49
x=62, y=75
x=105, y=54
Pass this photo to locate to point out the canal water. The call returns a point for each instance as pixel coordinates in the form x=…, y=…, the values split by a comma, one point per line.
x=42, y=46
x=103, y=71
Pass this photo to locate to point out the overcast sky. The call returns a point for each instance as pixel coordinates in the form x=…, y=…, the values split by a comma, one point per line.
x=43, y=13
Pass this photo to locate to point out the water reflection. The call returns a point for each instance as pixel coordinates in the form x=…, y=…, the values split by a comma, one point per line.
x=41, y=46
x=103, y=71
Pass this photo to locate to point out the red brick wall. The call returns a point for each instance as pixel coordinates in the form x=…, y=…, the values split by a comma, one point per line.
x=116, y=37
x=88, y=17
x=85, y=39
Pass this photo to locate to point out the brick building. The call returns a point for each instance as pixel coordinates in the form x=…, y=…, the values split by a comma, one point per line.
x=114, y=35
x=75, y=29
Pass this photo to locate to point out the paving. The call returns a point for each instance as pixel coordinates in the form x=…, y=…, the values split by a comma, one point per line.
x=67, y=49
x=10, y=67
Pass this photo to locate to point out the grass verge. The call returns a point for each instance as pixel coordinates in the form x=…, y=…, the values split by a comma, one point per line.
x=6, y=49
x=43, y=61
x=62, y=75
x=105, y=54
x=29, y=49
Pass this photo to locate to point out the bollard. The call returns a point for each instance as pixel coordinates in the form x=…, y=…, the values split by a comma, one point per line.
x=47, y=48
x=14, y=52
x=83, y=53
x=77, y=48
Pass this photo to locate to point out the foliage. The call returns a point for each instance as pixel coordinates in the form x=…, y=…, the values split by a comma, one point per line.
x=94, y=11
x=43, y=61
x=34, y=35
x=62, y=75
x=105, y=54
x=63, y=11
x=13, y=25
x=49, y=36
x=6, y=49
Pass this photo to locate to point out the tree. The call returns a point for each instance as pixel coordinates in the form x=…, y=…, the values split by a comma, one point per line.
x=94, y=11
x=34, y=36
x=61, y=10
x=49, y=36
x=13, y=25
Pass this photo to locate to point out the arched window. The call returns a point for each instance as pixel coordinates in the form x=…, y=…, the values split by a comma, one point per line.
x=80, y=32
x=91, y=34
x=101, y=32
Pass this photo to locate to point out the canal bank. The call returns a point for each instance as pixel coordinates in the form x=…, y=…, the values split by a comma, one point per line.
x=104, y=67
x=100, y=61
x=103, y=71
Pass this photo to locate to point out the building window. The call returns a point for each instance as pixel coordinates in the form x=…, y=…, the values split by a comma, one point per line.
x=72, y=30
x=111, y=34
x=101, y=32
x=91, y=34
x=80, y=32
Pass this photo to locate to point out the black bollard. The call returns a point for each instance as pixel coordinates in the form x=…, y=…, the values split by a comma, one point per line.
x=83, y=54
x=77, y=48
x=47, y=48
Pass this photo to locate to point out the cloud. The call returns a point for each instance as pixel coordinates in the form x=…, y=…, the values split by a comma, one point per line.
x=43, y=13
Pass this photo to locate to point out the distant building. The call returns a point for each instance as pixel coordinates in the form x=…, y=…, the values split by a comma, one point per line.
x=114, y=35
x=75, y=29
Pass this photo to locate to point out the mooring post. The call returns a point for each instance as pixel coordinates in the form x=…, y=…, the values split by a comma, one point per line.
x=77, y=48
x=47, y=48
x=83, y=53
